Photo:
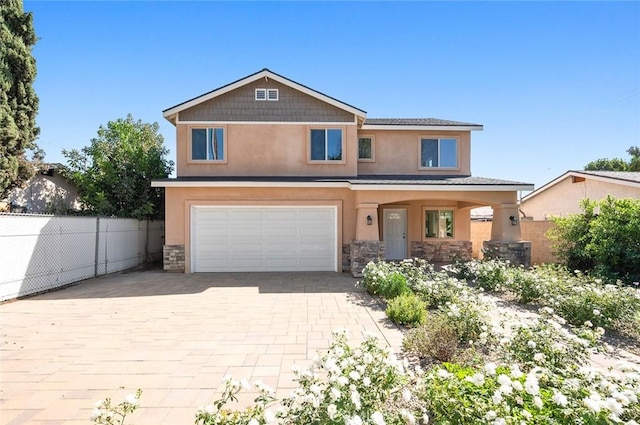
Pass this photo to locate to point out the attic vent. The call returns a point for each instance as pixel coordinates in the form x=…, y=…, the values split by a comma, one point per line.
x=261, y=94
x=266, y=94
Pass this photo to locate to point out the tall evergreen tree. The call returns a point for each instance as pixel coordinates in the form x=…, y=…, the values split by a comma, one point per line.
x=18, y=100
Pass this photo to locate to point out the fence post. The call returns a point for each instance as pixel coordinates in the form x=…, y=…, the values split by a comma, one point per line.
x=95, y=269
x=146, y=245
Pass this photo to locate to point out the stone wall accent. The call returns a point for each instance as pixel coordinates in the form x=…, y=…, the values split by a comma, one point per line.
x=346, y=257
x=518, y=253
x=240, y=105
x=442, y=251
x=362, y=252
x=173, y=258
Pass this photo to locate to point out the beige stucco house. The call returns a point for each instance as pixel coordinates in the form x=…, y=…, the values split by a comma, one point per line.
x=46, y=192
x=562, y=196
x=275, y=176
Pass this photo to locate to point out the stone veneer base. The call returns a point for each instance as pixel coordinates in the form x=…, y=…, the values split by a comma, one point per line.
x=362, y=252
x=518, y=253
x=173, y=258
x=441, y=251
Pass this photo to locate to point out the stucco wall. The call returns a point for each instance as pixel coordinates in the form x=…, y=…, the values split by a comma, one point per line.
x=398, y=152
x=42, y=190
x=268, y=150
x=564, y=197
x=533, y=231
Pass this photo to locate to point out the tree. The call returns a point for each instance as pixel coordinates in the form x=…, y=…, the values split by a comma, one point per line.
x=18, y=100
x=114, y=173
x=617, y=164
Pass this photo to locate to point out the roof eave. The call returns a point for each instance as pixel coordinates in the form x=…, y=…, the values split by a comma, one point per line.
x=423, y=127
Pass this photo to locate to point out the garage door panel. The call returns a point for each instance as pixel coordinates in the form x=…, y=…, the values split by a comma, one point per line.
x=264, y=239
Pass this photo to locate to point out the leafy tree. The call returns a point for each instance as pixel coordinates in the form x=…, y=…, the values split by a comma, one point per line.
x=607, y=243
x=114, y=173
x=617, y=164
x=18, y=100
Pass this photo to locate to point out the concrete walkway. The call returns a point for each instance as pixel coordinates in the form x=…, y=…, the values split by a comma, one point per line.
x=172, y=335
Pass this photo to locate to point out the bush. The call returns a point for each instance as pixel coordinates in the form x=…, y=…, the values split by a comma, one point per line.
x=392, y=285
x=490, y=275
x=407, y=309
x=437, y=339
x=607, y=243
x=527, y=285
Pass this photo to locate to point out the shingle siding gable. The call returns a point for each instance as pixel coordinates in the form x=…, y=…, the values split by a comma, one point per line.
x=240, y=105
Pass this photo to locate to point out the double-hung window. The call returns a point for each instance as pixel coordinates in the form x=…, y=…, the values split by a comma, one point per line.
x=438, y=223
x=438, y=153
x=325, y=144
x=365, y=149
x=207, y=144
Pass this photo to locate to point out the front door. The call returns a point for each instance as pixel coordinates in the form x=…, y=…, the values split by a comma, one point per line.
x=395, y=233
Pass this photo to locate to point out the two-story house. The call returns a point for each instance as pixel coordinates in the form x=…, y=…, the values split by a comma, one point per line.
x=275, y=176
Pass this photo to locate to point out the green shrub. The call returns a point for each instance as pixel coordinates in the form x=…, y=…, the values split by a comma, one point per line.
x=407, y=309
x=527, y=285
x=436, y=339
x=394, y=284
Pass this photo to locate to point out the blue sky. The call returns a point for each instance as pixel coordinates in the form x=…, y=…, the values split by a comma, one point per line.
x=556, y=84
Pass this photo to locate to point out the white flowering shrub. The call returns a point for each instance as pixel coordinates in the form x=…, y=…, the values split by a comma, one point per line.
x=505, y=395
x=438, y=289
x=105, y=413
x=353, y=386
x=219, y=413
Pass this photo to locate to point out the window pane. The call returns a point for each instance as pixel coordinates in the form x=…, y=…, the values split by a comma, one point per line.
x=448, y=153
x=431, y=224
x=446, y=223
x=364, y=148
x=429, y=153
x=334, y=145
x=198, y=143
x=317, y=145
x=216, y=144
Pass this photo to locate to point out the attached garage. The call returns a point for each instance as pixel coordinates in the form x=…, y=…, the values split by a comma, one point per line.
x=263, y=238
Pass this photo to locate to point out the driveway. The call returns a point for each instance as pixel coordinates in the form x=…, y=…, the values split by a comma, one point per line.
x=172, y=335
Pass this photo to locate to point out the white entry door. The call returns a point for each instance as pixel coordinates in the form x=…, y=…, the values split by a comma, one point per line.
x=395, y=233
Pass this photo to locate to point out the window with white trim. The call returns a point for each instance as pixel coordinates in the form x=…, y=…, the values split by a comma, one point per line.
x=438, y=223
x=207, y=144
x=365, y=149
x=438, y=152
x=267, y=94
x=325, y=144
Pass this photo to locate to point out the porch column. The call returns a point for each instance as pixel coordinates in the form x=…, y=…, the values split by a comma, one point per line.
x=367, y=246
x=367, y=222
x=506, y=237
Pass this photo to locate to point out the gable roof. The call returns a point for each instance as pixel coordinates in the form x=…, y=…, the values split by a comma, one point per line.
x=625, y=178
x=417, y=124
x=171, y=112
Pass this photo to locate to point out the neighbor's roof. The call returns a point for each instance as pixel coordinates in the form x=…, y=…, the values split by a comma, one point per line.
x=373, y=182
x=625, y=178
x=264, y=73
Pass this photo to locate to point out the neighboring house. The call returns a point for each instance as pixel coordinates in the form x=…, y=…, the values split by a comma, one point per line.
x=46, y=192
x=275, y=176
x=562, y=196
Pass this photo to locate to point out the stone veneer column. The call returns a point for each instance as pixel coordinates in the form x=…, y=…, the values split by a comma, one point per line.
x=362, y=252
x=173, y=258
x=518, y=253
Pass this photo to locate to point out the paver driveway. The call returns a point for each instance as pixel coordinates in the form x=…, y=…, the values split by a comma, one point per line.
x=172, y=335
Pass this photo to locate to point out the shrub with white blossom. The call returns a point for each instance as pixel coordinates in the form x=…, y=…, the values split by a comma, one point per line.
x=105, y=413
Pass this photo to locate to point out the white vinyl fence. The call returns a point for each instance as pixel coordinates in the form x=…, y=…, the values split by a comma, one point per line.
x=40, y=252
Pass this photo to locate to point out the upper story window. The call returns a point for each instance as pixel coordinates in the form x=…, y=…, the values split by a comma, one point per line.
x=267, y=94
x=325, y=144
x=438, y=223
x=207, y=144
x=365, y=149
x=438, y=153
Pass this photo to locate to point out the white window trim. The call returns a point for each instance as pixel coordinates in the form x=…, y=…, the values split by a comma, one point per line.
x=261, y=95
x=438, y=208
x=269, y=92
x=326, y=140
x=373, y=148
x=190, y=159
x=457, y=139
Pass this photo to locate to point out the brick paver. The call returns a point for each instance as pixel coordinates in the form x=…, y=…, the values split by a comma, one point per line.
x=172, y=335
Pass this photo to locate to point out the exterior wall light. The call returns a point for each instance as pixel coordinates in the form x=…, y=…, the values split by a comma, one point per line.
x=513, y=219
x=369, y=220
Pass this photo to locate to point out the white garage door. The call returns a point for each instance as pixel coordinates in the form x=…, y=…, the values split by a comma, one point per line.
x=239, y=238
